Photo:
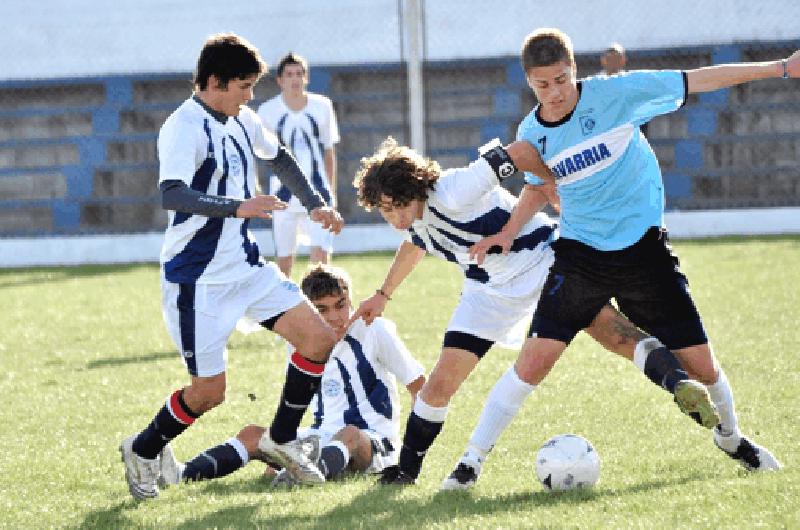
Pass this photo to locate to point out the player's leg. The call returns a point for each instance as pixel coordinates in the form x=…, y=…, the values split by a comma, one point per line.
x=618, y=334
x=284, y=310
x=430, y=408
x=320, y=242
x=200, y=319
x=284, y=234
x=660, y=303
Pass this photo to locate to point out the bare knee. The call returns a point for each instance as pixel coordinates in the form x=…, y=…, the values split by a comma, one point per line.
x=250, y=436
x=350, y=436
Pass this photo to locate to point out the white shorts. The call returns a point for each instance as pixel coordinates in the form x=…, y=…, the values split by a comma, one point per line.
x=501, y=314
x=291, y=227
x=201, y=317
x=384, y=452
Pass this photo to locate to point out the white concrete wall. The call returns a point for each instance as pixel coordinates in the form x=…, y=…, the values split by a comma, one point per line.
x=145, y=248
x=64, y=38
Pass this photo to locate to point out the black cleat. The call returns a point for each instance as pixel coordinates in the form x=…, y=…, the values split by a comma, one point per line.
x=463, y=477
x=395, y=476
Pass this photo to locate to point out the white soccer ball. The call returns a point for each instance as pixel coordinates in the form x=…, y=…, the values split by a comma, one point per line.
x=566, y=462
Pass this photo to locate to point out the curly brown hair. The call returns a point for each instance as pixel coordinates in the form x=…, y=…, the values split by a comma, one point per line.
x=396, y=171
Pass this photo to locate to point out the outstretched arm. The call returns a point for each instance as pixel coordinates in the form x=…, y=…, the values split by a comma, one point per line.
x=405, y=260
x=177, y=196
x=711, y=78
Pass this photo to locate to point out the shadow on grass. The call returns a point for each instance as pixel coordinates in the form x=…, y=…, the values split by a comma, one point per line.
x=378, y=505
x=44, y=275
x=136, y=359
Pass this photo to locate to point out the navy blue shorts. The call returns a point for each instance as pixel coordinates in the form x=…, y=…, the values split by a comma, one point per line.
x=645, y=279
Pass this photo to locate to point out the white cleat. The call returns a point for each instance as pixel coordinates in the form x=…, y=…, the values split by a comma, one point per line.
x=463, y=477
x=141, y=473
x=752, y=456
x=293, y=457
x=283, y=480
x=170, y=470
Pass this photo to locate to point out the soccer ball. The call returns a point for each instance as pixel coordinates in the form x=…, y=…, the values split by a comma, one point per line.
x=566, y=462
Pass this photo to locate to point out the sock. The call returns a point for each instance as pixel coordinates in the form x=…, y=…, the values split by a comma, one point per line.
x=216, y=462
x=333, y=459
x=173, y=418
x=505, y=400
x=722, y=396
x=424, y=424
x=302, y=381
x=659, y=364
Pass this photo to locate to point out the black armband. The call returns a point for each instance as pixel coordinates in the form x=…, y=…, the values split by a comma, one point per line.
x=177, y=196
x=497, y=156
x=291, y=176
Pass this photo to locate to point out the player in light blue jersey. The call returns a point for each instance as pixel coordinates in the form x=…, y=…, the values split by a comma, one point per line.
x=444, y=213
x=612, y=242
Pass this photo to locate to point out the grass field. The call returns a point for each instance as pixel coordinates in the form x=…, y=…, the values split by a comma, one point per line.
x=86, y=361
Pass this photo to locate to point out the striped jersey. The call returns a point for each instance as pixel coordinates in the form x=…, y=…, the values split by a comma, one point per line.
x=359, y=384
x=218, y=159
x=608, y=177
x=468, y=204
x=307, y=133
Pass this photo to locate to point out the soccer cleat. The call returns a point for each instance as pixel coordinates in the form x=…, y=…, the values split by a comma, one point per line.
x=463, y=477
x=311, y=446
x=693, y=399
x=283, y=480
x=170, y=470
x=395, y=476
x=752, y=456
x=141, y=473
x=293, y=457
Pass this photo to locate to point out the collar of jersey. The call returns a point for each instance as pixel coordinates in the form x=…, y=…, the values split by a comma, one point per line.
x=219, y=116
x=562, y=121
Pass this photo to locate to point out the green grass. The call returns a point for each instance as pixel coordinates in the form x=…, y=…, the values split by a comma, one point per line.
x=86, y=361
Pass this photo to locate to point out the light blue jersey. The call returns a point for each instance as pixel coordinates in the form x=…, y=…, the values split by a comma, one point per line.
x=608, y=177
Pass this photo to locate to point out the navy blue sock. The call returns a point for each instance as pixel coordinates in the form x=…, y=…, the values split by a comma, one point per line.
x=332, y=461
x=214, y=463
x=173, y=418
x=664, y=369
x=302, y=381
x=418, y=438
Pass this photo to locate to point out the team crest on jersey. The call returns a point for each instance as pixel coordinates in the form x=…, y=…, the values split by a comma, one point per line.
x=235, y=164
x=587, y=124
x=331, y=388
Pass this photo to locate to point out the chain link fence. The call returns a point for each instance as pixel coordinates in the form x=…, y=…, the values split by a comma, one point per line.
x=78, y=155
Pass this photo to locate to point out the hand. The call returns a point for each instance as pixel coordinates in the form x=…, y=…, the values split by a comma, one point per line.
x=370, y=309
x=793, y=64
x=329, y=218
x=479, y=250
x=259, y=206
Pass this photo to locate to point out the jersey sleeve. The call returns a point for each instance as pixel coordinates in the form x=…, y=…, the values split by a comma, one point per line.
x=331, y=134
x=179, y=152
x=393, y=354
x=265, y=143
x=645, y=94
x=461, y=187
x=524, y=132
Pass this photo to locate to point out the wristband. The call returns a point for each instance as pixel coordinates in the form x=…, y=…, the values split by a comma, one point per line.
x=497, y=156
x=785, y=64
x=383, y=293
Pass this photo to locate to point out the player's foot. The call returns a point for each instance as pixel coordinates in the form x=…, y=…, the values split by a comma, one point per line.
x=141, y=473
x=283, y=480
x=463, y=477
x=693, y=399
x=293, y=457
x=752, y=456
x=393, y=475
x=170, y=470
x=311, y=446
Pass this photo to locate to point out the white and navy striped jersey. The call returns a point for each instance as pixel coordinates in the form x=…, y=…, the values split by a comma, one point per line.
x=307, y=133
x=359, y=385
x=218, y=159
x=468, y=204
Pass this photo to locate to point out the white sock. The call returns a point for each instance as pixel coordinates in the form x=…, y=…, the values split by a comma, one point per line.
x=722, y=396
x=240, y=448
x=643, y=349
x=505, y=400
x=429, y=413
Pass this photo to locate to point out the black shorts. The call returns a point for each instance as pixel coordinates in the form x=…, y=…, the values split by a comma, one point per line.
x=645, y=279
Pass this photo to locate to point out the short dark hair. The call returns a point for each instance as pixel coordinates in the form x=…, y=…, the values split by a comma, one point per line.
x=546, y=47
x=227, y=56
x=396, y=171
x=325, y=280
x=291, y=58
